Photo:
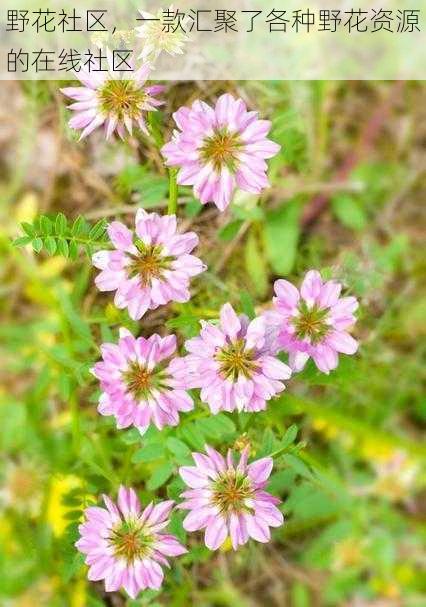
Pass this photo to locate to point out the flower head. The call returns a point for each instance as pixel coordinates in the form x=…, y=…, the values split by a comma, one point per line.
x=229, y=500
x=125, y=546
x=161, y=35
x=312, y=322
x=232, y=365
x=139, y=383
x=116, y=100
x=149, y=268
x=220, y=149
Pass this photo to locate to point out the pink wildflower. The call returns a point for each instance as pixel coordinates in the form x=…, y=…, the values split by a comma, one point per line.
x=117, y=100
x=312, y=323
x=228, y=500
x=232, y=364
x=150, y=268
x=220, y=149
x=139, y=382
x=125, y=546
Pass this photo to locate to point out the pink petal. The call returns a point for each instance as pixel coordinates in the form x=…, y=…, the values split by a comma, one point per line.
x=260, y=470
x=216, y=533
x=193, y=477
x=287, y=293
x=311, y=286
x=229, y=321
x=121, y=237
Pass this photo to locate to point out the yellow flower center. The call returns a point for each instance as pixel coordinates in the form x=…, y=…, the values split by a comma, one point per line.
x=230, y=492
x=149, y=263
x=121, y=98
x=221, y=149
x=311, y=323
x=235, y=360
x=140, y=382
x=130, y=541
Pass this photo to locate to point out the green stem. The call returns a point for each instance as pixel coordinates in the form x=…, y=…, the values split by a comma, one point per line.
x=173, y=192
x=278, y=452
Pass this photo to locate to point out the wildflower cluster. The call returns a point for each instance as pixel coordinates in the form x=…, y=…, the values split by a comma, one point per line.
x=233, y=364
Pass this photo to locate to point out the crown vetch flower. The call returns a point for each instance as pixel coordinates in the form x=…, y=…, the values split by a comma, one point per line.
x=232, y=364
x=220, y=149
x=117, y=100
x=149, y=268
x=162, y=33
x=312, y=322
x=228, y=500
x=139, y=383
x=125, y=546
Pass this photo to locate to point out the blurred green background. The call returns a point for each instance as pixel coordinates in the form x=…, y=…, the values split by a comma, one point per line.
x=347, y=198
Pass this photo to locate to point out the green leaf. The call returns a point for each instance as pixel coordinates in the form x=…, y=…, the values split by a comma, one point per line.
x=60, y=224
x=50, y=245
x=247, y=304
x=230, y=230
x=79, y=326
x=349, y=211
x=21, y=241
x=175, y=488
x=281, y=236
x=192, y=435
x=216, y=426
x=131, y=437
x=62, y=247
x=193, y=207
x=28, y=229
x=255, y=265
x=178, y=448
x=297, y=465
x=281, y=481
x=46, y=225
x=268, y=444
x=150, y=453
x=73, y=250
x=160, y=476
x=37, y=244
x=98, y=229
x=289, y=436
x=78, y=226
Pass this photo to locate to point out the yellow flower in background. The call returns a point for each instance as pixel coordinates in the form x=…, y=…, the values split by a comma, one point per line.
x=226, y=546
x=52, y=267
x=386, y=588
x=347, y=553
x=56, y=509
x=78, y=597
x=376, y=451
x=26, y=209
x=7, y=536
x=61, y=420
x=325, y=427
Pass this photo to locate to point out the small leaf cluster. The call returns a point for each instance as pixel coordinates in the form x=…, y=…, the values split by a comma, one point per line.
x=57, y=236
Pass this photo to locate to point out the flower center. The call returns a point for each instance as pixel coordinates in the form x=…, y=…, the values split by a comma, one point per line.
x=149, y=263
x=230, y=492
x=140, y=382
x=311, y=323
x=235, y=360
x=130, y=541
x=221, y=149
x=121, y=98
